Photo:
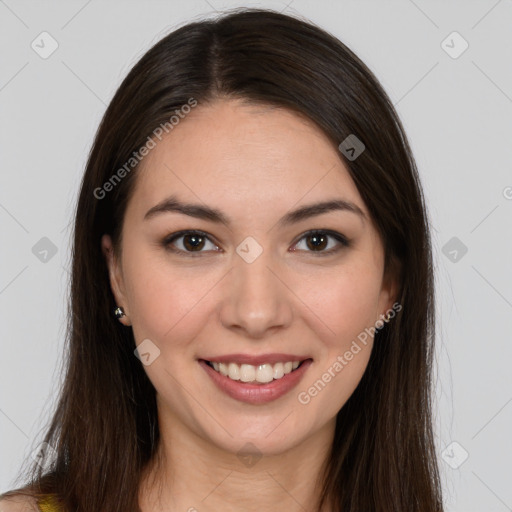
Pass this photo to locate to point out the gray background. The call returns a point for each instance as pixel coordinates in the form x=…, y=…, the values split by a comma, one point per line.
x=457, y=113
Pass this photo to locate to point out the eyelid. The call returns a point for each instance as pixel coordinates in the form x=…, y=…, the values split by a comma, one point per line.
x=342, y=240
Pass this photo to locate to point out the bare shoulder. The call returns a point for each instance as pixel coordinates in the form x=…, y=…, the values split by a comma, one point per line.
x=18, y=503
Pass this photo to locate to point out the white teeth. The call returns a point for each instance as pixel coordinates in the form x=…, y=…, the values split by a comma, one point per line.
x=265, y=373
x=278, y=370
x=234, y=371
x=247, y=372
x=262, y=373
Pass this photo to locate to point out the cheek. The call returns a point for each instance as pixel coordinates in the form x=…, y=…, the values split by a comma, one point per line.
x=347, y=305
x=163, y=299
x=344, y=300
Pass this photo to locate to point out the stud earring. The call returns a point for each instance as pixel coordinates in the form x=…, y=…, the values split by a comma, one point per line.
x=384, y=321
x=119, y=313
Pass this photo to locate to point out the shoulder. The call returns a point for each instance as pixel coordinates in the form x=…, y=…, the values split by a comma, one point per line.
x=18, y=503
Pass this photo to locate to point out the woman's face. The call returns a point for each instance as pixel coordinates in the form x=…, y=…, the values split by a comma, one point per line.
x=254, y=286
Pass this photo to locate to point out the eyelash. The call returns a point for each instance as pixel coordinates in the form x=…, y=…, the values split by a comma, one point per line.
x=344, y=242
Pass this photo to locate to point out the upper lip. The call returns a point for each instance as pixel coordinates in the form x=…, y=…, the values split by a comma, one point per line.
x=256, y=360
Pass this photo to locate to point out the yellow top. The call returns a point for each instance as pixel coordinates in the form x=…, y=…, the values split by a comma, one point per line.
x=48, y=504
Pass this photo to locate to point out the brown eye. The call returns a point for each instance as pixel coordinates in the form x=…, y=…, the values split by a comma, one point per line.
x=317, y=241
x=191, y=242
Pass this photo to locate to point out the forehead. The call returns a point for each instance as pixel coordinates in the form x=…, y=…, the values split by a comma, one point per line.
x=252, y=158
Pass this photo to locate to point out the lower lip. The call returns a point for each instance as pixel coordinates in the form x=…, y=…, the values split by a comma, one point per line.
x=257, y=393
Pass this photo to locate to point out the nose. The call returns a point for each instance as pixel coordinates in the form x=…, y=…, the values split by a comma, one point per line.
x=256, y=299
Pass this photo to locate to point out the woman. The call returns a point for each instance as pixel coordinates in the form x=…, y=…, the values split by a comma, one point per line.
x=252, y=319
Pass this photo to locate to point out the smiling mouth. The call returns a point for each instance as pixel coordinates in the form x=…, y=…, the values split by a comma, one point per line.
x=259, y=374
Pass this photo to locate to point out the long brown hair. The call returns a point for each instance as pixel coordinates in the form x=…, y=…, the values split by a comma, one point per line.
x=104, y=429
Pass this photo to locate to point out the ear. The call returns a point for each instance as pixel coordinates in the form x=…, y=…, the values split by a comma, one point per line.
x=116, y=277
x=390, y=285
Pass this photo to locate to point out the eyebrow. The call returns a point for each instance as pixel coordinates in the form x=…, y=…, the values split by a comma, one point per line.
x=172, y=204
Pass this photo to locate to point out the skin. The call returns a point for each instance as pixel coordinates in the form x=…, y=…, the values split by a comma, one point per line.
x=254, y=164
